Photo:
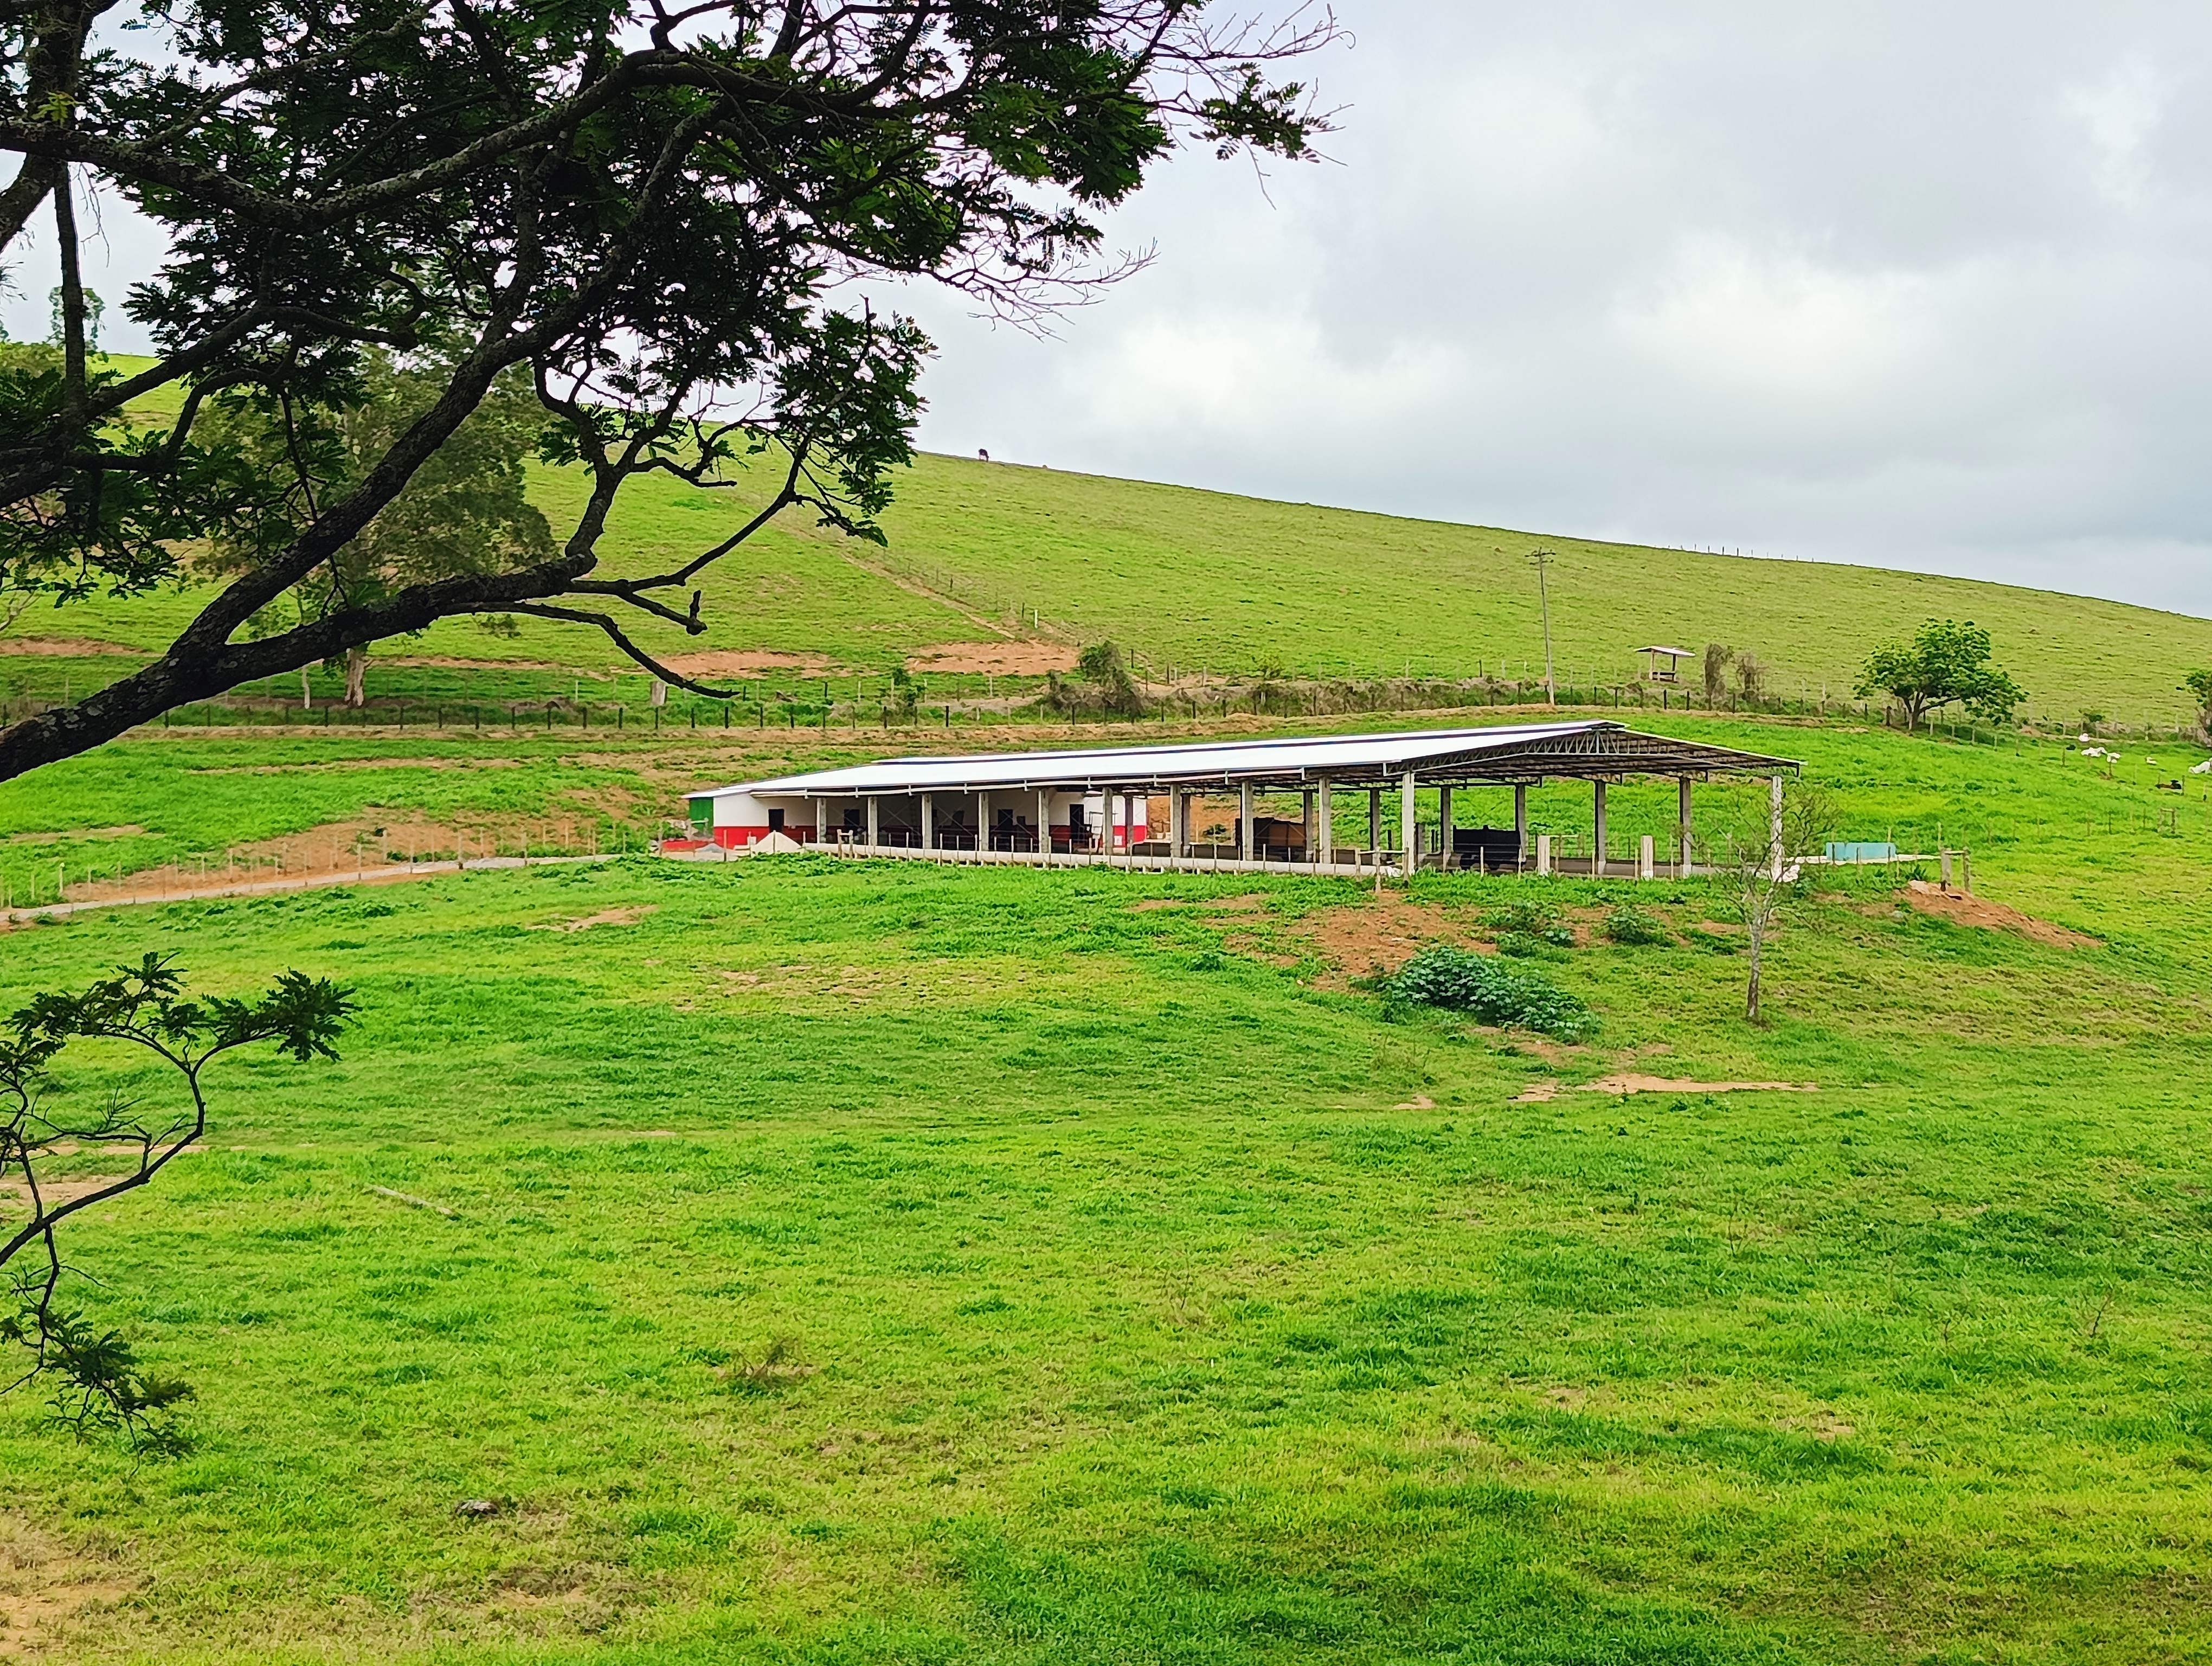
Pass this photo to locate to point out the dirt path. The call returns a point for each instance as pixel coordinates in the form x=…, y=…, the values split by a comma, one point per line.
x=367, y=876
x=1630, y=1082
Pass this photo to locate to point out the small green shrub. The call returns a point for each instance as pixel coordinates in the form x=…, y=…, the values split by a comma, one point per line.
x=1630, y=924
x=1524, y=945
x=1491, y=990
x=1537, y=922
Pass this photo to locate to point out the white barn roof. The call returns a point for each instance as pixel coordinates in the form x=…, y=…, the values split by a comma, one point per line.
x=1505, y=754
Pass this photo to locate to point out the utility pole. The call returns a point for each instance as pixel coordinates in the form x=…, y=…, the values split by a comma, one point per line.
x=1543, y=558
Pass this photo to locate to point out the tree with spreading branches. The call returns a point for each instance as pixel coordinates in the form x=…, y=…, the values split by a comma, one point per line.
x=671, y=221
x=1944, y=664
x=97, y=1380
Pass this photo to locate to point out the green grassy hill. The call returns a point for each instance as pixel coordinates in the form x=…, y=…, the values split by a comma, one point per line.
x=1204, y=582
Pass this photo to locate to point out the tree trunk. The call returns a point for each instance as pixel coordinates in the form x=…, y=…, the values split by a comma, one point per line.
x=1757, y=933
x=356, y=672
x=306, y=691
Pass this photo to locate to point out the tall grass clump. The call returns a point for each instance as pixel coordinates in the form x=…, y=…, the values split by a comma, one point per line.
x=1491, y=990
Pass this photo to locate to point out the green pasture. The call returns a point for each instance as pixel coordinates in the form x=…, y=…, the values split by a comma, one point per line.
x=884, y=1262
x=1203, y=583
x=184, y=795
x=2027, y=809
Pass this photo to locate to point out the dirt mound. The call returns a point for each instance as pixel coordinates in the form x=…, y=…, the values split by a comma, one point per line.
x=1961, y=910
x=995, y=658
x=1364, y=939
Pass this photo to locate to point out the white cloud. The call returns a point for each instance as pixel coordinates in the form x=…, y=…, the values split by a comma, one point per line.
x=1867, y=282
x=2119, y=113
x=1776, y=323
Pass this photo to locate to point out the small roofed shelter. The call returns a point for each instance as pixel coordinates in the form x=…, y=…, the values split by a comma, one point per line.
x=1097, y=803
x=1669, y=672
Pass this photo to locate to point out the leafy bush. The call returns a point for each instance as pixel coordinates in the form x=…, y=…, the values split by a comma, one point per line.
x=1630, y=924
x=1441, y=975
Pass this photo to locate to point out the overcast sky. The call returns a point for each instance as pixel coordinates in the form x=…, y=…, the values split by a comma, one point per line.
x=1914, y=285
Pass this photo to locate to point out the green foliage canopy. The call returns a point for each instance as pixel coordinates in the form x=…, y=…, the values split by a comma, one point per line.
x=98, y=1382
x=664, y=222
x=2199, y=684
x=1944, y=664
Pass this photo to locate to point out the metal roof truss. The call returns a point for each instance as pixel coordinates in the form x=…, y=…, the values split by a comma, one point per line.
x=1598, y=751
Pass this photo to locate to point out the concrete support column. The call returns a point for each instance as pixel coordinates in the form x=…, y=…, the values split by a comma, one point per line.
x=1683, y=792
x=1244, y=821
x=1409, y=825
x=1543, y=853
x=928, y=822
x=982, y=821
x=1325, y=819
x=1597, y=853
x=1178, y=824
x=1643, y=869
x=1774, y=826
x=1044, y=825
x=875, y=822
x=1306, y=824
x=1444, y=857
x=1375, y=824
x=1520, y=825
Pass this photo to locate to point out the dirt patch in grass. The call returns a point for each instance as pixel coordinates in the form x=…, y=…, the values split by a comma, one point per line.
x=128, y=831
x=329, y=849
x=43, y=1585
x=67, y=647
x=1367, y=939
x=328, y=765
x=52, y=1193
x=374, y=846
x=995, y=658
x=458, y=662
x=605, y=917
x=1251, y=902
x=739, y=662
x=1629, y=1082
x=1961, y=909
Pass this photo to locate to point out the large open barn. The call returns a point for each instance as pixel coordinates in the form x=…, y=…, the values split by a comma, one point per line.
x=1173, y=806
